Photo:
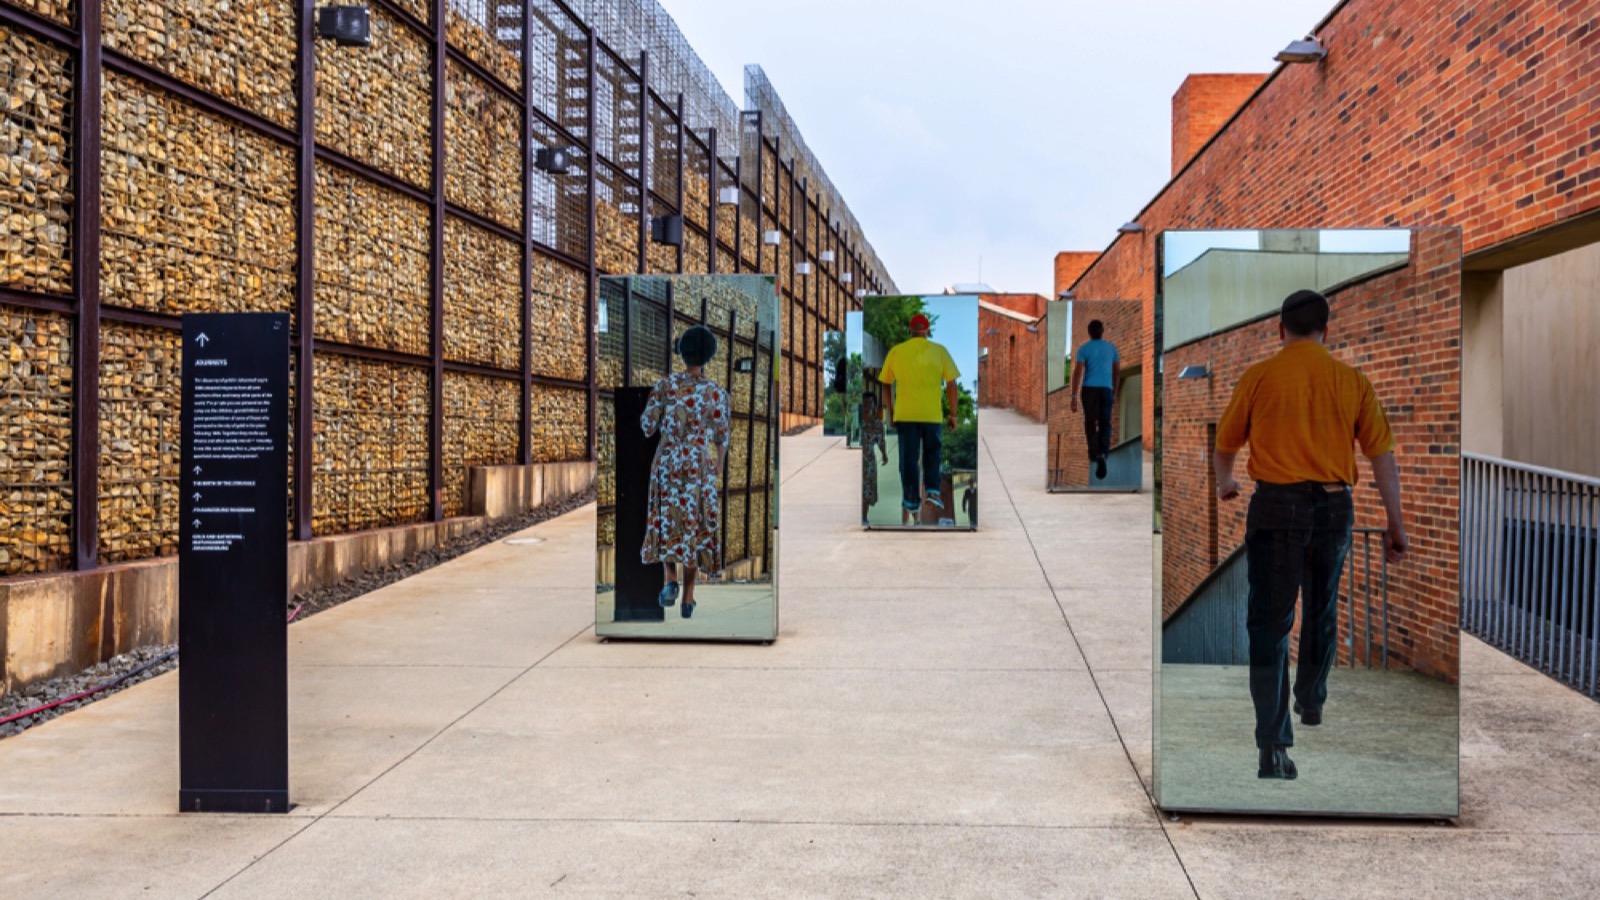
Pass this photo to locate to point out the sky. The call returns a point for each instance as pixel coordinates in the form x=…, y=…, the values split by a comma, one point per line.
x=1007, y=130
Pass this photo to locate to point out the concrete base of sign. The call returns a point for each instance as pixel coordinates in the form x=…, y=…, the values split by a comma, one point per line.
x=64, y=622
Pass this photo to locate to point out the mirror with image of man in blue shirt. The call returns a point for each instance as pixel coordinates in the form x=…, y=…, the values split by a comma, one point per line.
x=1095, y=370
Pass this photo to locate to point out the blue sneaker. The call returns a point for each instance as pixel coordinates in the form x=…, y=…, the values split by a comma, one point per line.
x=935, y=499
x=669, y=594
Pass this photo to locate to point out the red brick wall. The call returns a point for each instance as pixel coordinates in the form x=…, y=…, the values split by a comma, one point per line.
x=1476, y=115
x=1402, y=331
x=1070, y=265
x=1201, y=106
x=1012, y=376
x=1068, y=450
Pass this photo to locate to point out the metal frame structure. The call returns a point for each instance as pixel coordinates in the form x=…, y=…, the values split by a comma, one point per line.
x=694, y=105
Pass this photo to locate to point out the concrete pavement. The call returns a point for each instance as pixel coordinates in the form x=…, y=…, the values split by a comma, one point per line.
x=943, y=715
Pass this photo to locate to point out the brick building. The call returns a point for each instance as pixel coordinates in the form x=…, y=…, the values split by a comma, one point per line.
x=1011, y=337
x=1475, y=115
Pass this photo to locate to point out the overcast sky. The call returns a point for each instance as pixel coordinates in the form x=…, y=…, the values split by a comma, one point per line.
x=1007, y=129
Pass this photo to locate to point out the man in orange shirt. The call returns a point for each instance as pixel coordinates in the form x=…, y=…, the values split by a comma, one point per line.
x=1301, y=412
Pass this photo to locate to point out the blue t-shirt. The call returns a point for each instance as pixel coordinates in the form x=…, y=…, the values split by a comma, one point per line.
x=1097, y=357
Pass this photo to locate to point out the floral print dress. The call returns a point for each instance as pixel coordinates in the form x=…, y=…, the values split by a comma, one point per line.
x=684, y=523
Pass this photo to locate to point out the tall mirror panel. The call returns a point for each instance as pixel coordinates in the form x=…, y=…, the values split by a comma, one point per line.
x=688, y=444
x=919, y=412
x=1094, y=388
x=1308, y=477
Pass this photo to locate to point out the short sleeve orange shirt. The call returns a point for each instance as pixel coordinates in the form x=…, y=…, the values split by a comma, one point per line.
x=1301, y=412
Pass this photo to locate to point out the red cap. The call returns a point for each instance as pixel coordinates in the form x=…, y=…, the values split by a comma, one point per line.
x=919, y=322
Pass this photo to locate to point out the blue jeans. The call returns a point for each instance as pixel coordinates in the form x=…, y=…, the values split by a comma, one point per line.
x=919, y=460
x=1296, y=540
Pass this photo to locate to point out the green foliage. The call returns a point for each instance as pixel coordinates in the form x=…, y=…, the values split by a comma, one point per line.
x=833, y=348
x=856, y=381
x=889, y=318
x=966, y=406
x=959, y=449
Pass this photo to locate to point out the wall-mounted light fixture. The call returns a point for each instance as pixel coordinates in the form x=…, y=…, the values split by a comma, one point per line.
x=1064, y=295
x=667, y=230
x=1033, y=329
x=1130, y=228
x=846, y=278
x=1194, y=372
x=349, y=26
x=1308, y=50
x=860, y=294
x=825, y=256
x=554, y=160
x=804, y=268
x=771, y=238
x=745, y=364
x=728, y=196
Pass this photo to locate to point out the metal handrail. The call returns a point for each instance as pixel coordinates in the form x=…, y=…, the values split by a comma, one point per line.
x=1530, y=566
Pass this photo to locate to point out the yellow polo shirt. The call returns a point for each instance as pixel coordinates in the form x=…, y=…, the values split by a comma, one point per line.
x=1301, y=413
x=918, y=368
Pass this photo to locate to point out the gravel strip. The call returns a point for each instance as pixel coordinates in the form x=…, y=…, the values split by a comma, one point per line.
x=309, y=604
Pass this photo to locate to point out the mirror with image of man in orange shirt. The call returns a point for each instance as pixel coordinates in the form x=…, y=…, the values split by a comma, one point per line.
x=1301, y=412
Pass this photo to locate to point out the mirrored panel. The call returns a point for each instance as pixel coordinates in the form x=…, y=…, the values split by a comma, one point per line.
x=919, y=412
x=853, y=378
x=835, y=385
x=1307, y=482
x=688, y=444
x=1094, y=391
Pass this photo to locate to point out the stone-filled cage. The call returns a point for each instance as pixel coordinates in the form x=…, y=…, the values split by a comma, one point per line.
x=170, y=156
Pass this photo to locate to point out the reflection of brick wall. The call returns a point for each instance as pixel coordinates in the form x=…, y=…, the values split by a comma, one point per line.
x=1012, y=375
x=1069, y=450
x=1403, y=332
x=1070, y=266
x=1413, y=129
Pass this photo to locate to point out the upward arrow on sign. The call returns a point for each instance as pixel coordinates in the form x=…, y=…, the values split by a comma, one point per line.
x=202, y=340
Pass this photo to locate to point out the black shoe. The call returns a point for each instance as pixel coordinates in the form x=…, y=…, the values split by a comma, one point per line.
x=1100, y=467
x=1275, y=763
x=688, y=608
x=1308, y=716
x=669, y=594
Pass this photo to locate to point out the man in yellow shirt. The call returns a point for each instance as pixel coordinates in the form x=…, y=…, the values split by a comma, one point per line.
x=912, y=375
x=1301, y=412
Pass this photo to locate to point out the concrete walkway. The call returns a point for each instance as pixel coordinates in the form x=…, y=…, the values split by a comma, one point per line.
x=944, y=715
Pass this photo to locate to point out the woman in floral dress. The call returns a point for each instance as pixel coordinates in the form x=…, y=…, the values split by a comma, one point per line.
x=684, y=522
x=871, y=434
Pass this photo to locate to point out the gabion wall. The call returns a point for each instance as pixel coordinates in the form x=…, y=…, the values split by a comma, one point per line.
x=195, y=203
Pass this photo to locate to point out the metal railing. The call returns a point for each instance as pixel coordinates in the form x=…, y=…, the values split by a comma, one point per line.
x=1530, y=566
x=1208, y=628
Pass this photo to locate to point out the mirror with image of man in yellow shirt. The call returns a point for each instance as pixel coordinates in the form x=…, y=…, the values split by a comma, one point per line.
x=914, y=374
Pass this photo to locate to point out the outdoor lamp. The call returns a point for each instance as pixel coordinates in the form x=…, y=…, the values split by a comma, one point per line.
x=350, y=26
x=861, y=294
x=1309, y=50
x=554, y=160
x=667, y=230
x=771, y=238
x=1064, y=295
x=845, y=278
x=744, y=364
x=728, y=196
x=1191, y=372
x=1130, y=228
x=826, y=256
x=804, y=268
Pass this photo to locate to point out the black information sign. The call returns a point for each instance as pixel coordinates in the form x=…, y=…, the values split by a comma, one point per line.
x=233, y=710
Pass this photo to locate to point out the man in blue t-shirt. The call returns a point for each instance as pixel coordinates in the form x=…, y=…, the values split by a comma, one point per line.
x=1095, y=371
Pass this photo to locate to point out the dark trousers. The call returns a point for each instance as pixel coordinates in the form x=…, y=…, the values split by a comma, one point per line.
x=919, y=460
x=1097, y=421
x=1296, y=541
